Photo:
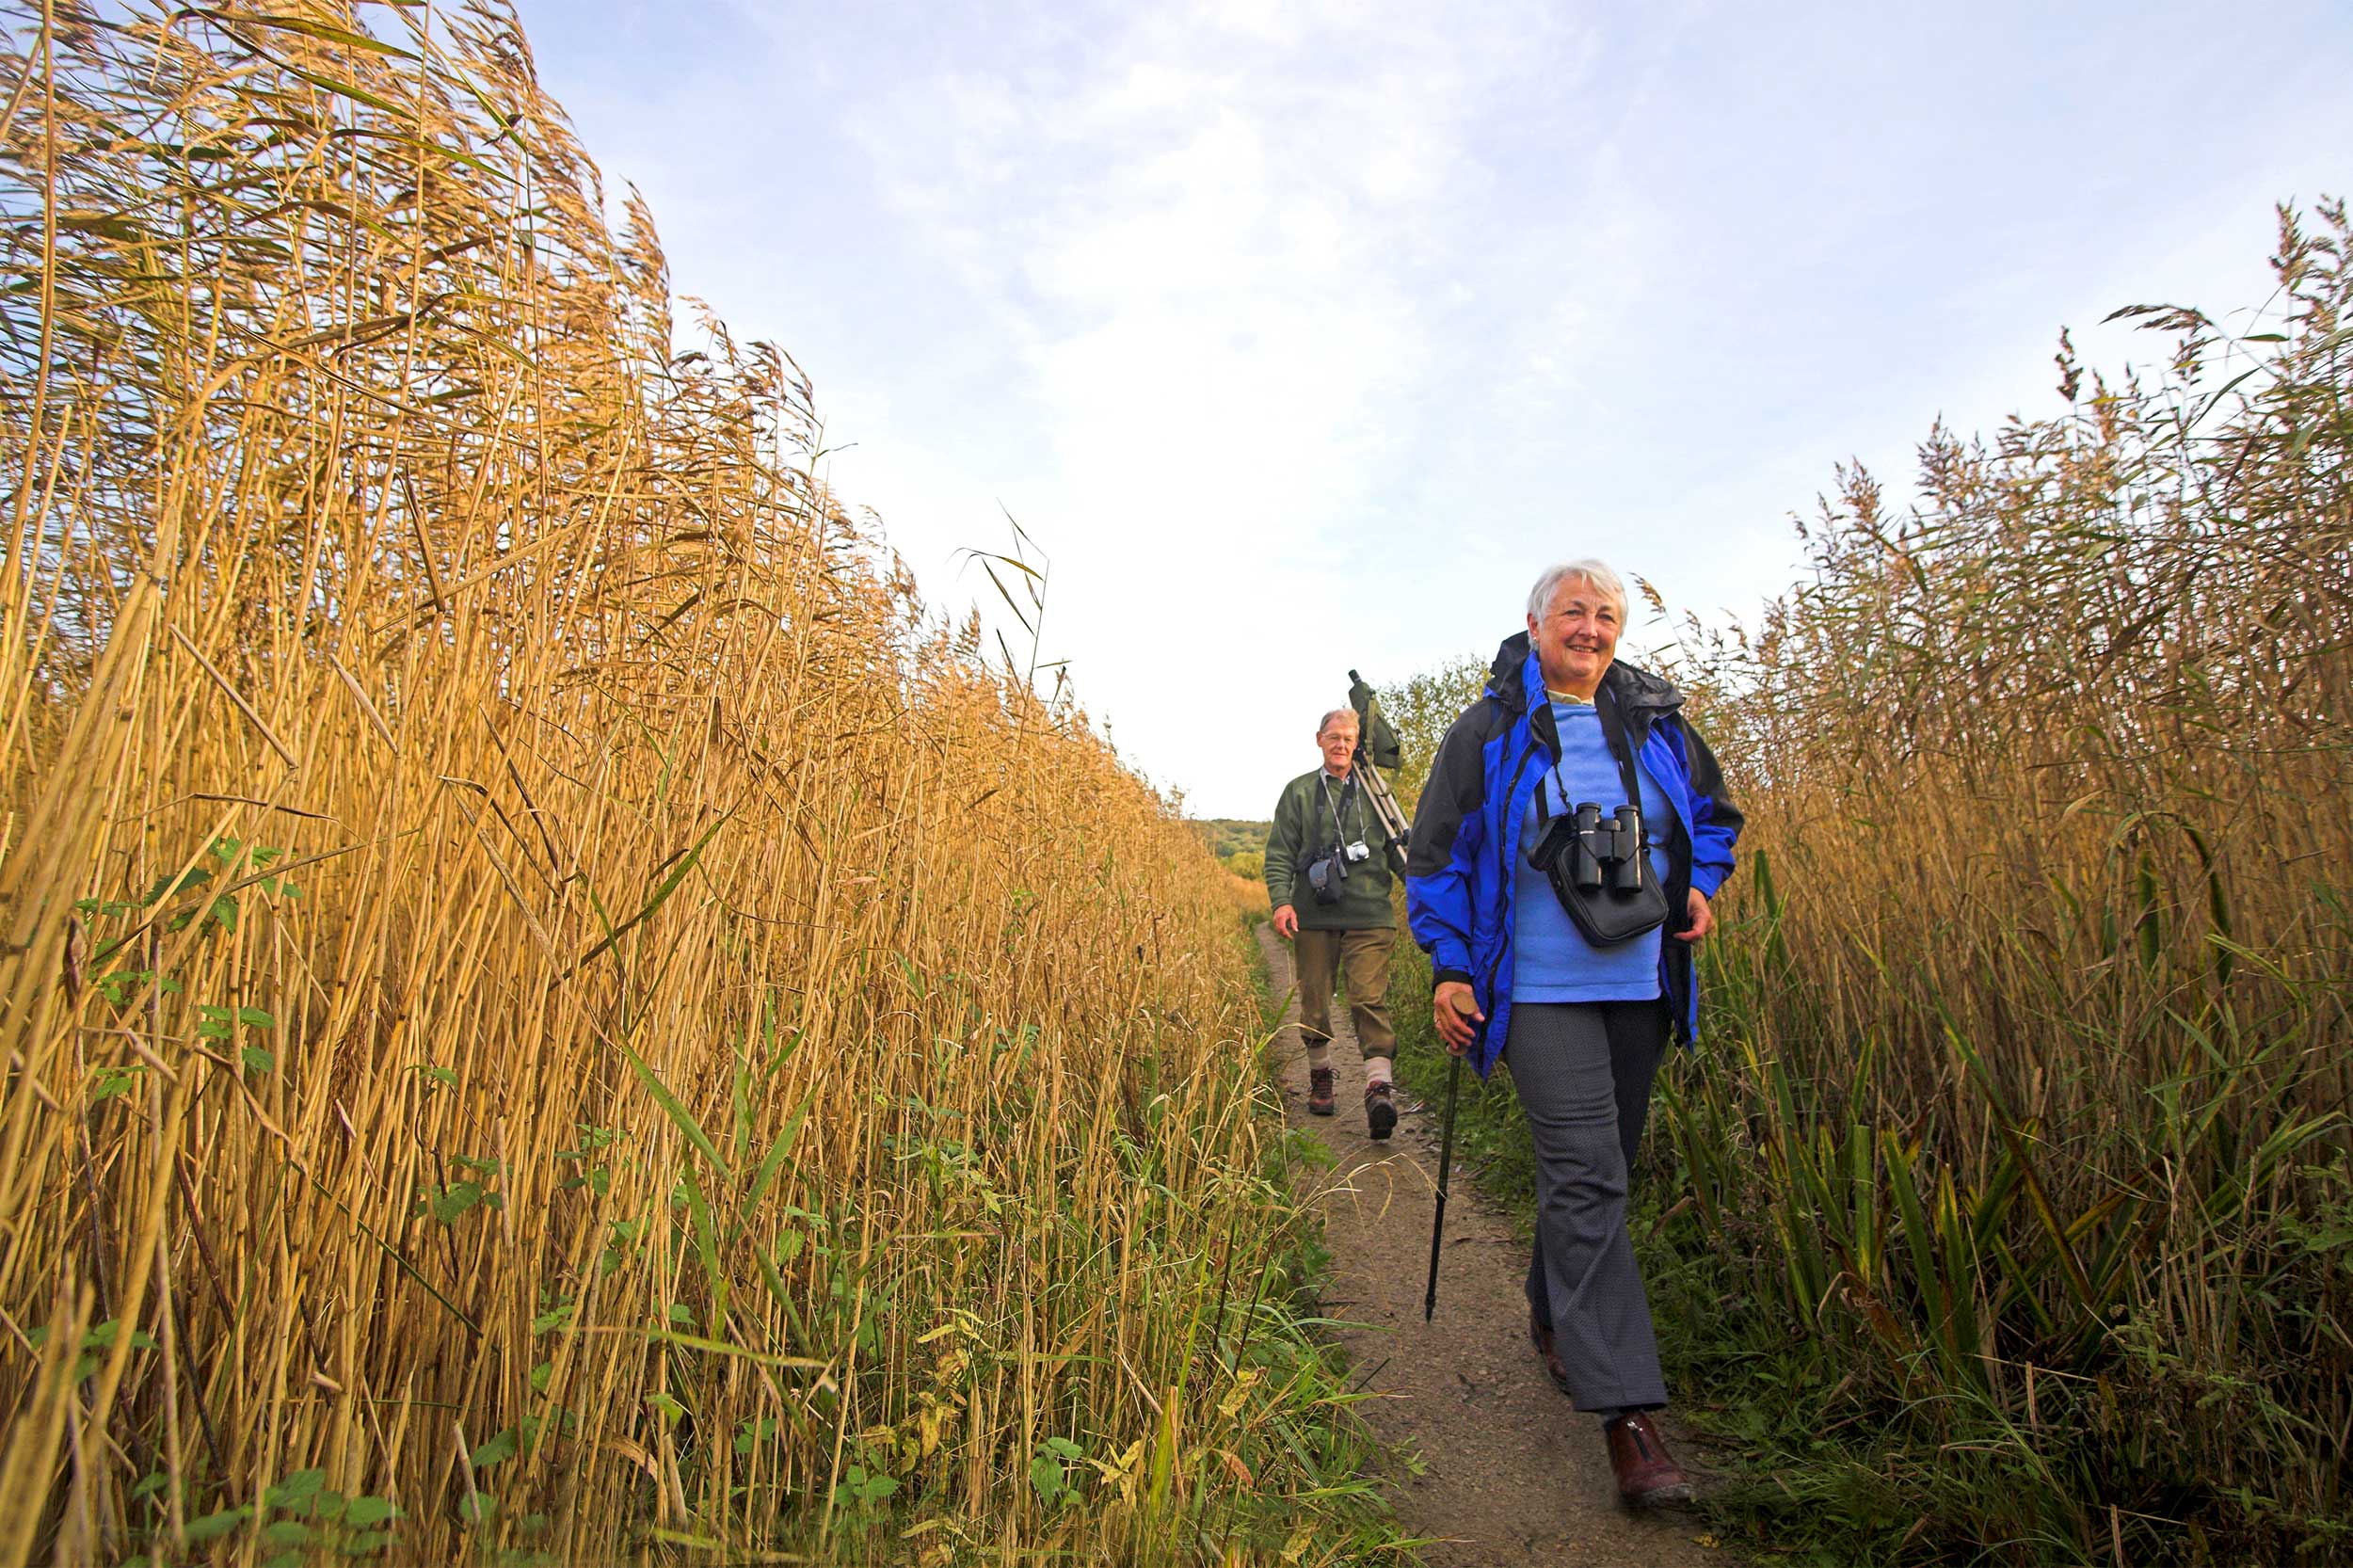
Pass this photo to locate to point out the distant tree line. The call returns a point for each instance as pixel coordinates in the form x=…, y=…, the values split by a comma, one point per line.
x=1240, y=844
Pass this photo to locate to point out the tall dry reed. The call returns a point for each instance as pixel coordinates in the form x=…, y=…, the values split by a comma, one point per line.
x=548, y=1009
x=2004, y=1212
x=2032, y=1047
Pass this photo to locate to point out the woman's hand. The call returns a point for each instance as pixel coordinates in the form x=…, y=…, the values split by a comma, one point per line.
x=1455, y=1011
x=1703, y=920
x=1287, y=923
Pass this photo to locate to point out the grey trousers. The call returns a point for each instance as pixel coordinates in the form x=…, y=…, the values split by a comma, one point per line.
x=1583, y=1071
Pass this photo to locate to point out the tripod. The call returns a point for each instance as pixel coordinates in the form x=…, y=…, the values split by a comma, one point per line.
x=1394, y=829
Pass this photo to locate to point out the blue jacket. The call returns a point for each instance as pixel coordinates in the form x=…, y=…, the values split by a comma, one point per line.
x=1466, y=830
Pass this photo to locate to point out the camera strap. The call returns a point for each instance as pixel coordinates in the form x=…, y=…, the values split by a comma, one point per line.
x=1324, y=783
x=1613, y=736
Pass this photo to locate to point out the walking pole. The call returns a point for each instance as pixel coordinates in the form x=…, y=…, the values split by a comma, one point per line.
x=1445, y=1168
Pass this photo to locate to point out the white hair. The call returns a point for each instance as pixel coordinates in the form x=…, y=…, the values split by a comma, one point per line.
x=1593, y=572
x=1325, y=723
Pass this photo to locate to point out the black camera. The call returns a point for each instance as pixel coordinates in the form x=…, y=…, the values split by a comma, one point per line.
x=1325, y=874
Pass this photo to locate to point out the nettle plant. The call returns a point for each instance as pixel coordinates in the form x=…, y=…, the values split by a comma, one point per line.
x=222, y=910
x=300, y=1519
x=448, y=1202
x=214, y=913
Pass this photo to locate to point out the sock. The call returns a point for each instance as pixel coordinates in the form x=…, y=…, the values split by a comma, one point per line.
x=1319, y=1055
x=1376, y=1070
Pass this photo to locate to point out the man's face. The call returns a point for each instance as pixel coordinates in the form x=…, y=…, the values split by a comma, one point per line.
x=1338, y=742
x=1578, y=636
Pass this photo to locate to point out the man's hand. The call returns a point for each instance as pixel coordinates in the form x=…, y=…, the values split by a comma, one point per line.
x=1703, y=919
x=1455, y=1011
x=1287, y=923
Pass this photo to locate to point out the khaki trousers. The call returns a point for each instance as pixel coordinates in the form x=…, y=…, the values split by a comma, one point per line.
x=1320, y=957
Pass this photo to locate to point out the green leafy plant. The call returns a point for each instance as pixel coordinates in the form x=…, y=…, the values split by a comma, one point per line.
x=299, y=1520
x=860, y=1489
x=96, y=1342
x=1050, y=1472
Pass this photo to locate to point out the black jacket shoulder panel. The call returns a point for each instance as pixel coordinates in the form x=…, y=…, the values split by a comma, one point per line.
x=1456, y=787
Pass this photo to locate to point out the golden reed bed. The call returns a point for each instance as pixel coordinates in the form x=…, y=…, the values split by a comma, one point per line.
x=549, y=1010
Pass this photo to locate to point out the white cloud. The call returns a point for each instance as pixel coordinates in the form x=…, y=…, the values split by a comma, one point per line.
x=1302, y=333
x=1212, y=243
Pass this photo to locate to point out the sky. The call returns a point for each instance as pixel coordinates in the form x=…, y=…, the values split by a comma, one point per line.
x=1303, y=337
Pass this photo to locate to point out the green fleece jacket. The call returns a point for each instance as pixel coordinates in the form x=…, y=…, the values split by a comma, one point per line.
x=1303, y=830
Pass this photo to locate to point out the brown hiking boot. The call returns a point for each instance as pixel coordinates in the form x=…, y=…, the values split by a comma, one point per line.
x=1380, y=1111
x=1319, y=1091
x=1541, y=1337
x=1647, y=1478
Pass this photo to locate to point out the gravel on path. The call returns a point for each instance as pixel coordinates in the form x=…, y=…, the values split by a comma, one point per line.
x=1510, y=1475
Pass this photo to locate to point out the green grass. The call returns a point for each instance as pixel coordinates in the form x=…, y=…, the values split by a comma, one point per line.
x=1360, y=1527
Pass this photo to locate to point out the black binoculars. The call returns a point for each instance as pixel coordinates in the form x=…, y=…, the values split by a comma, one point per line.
x=1602, y=851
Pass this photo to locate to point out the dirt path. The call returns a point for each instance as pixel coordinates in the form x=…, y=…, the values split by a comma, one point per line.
x=1513, y=1476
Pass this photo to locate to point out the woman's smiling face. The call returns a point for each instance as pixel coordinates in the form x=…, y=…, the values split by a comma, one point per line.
x=1576, y=637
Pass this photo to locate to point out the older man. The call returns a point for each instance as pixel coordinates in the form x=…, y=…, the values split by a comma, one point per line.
x=1329, y=883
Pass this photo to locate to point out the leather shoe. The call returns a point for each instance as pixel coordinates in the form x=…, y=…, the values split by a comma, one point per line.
x=1380, y=1111
x=1647, y=1476
x=1319, y=1091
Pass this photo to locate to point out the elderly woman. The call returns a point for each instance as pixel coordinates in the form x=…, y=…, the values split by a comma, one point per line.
x=1581, y=1023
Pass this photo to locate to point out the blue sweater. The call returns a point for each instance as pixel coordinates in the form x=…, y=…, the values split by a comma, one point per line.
x=1551, y=960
